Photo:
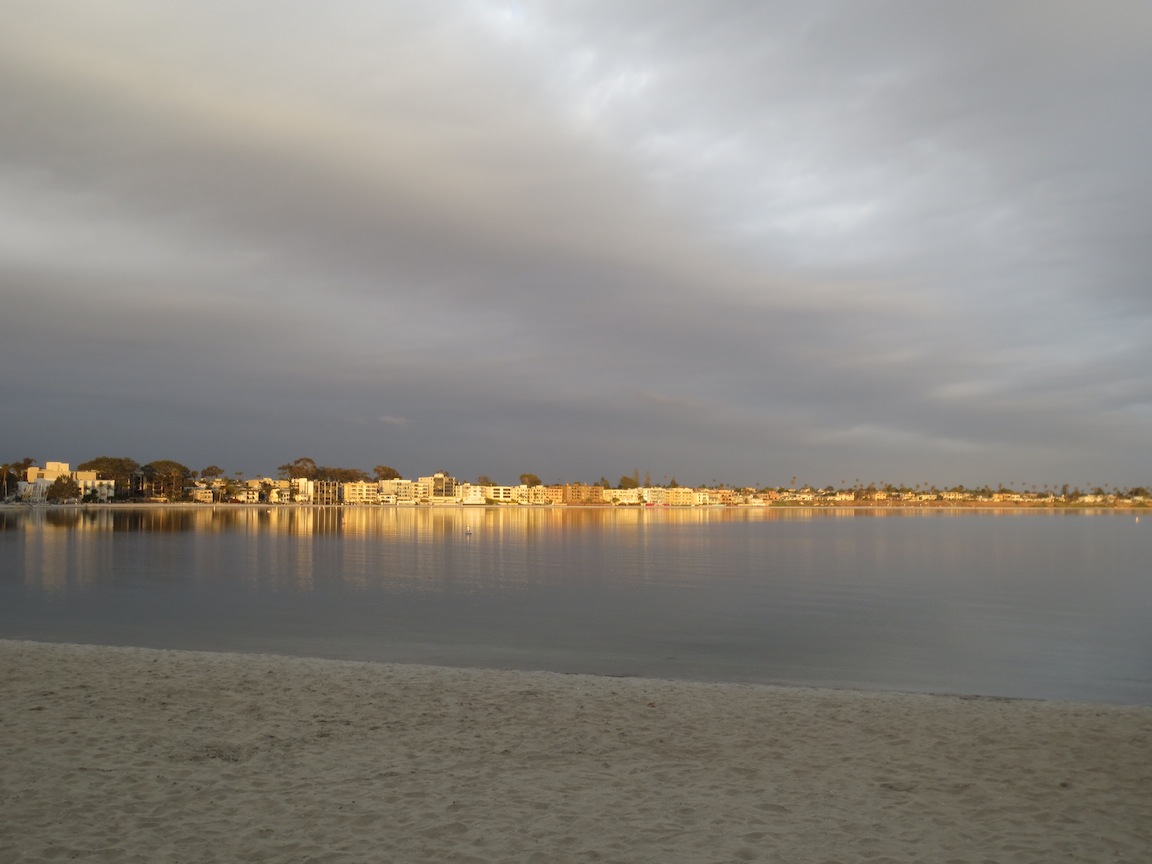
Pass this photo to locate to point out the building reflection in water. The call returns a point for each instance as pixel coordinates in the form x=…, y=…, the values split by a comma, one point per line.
x=430, y=548
x=422, y=547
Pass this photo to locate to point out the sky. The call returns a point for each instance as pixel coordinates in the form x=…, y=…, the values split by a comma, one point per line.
x=733, y=242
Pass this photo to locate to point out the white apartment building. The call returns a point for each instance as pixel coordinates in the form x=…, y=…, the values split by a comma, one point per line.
x=471, y=495
x=34, y=486
x=499, y=494
x=302, y=490
x=400, y=490
x=530, y=494
x=654, y=495
x=623, y=496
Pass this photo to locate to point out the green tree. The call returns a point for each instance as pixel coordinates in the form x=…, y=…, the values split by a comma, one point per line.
x=166, y=479
x=229, y=491
x=341, y=475
x=627, y=482
x=63, y=488
x=10, y=475
x=529, y=480
x=385, y=472
x=485, y=480
x=119, y=470
x=303, y=468
x=212, y=472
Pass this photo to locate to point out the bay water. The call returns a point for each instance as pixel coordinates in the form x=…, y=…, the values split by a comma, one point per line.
x=1032, y=604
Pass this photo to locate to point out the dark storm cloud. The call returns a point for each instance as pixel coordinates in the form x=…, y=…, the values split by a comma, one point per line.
x=737, y=239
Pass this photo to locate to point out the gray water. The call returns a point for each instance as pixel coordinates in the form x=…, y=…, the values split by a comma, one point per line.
x=1024, y=604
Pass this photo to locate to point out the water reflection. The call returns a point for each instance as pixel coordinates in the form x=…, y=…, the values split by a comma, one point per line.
x=430, y=522
x=449, y=548
x=1019, y=603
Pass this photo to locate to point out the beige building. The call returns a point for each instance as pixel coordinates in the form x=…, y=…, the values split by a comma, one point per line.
x=34, y=486
x=440, y=489
x=530, y=494
x=361, y=492
x=400, y=490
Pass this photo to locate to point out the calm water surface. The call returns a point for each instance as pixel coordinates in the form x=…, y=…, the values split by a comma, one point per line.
x=1048, y=605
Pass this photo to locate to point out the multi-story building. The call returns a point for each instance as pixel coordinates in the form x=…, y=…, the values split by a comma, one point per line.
x=578, y=493
x=440, y=488
x=361, y=492
x=279, y=491
x=720, y=496
x=498, y=494
x=654, y=495
x=681, y=496
x=247, y=495
x=36, y=482
x=326, y=492
x=471, y=495
x=400, y=490
x=622, y=496
x=530, y=495
x=301, y=490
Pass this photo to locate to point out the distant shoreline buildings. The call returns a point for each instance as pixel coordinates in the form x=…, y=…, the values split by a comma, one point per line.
x=56, y=482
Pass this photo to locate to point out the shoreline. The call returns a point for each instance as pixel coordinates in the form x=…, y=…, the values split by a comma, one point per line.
x=1123, y=507
x=141, y=754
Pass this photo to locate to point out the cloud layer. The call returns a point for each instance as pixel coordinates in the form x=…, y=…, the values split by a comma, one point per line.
x=738, y=241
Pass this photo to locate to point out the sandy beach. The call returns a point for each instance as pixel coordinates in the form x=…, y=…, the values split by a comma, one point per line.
x=121, y=754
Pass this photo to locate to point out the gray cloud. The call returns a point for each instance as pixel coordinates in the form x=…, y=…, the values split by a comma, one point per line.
x=737, y=241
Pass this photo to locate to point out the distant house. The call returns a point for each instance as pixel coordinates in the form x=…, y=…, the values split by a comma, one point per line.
x=246, y=495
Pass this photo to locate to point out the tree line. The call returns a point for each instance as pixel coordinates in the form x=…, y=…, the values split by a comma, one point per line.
x=167, y=478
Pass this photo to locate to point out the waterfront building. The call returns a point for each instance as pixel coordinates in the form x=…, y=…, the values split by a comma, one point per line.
x=34, y=487
x=440, y=488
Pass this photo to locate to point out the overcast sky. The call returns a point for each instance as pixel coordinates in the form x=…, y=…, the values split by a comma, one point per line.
x=726, y=241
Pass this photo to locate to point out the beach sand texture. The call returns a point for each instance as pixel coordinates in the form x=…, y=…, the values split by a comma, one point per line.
x=133, y=755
